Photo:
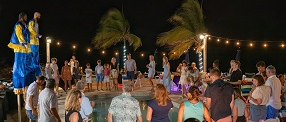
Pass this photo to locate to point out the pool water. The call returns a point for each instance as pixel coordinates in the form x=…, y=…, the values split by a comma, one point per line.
x=100, y=110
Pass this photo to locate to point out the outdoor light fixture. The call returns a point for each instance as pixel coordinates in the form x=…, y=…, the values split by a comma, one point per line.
x=142, y=54
x=237, y=43
x=251, y=44
x=226, y=41
x=73, y=46
x=209, y=38
x=282, y=45
x=103, y=52
x=265, y=45
x=88, y=50
x=202, y=36
x=164, y=54
x=58, y=43
x=116, y=53
x=49, y=41
x=218, y=40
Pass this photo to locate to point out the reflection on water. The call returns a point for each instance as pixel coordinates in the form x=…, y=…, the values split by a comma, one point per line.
x=100, y=110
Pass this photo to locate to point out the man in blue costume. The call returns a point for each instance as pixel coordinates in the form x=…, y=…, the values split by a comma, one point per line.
x=34, y=42
x=22, y=68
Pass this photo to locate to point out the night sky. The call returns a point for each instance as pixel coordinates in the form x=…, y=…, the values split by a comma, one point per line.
x=76, y=21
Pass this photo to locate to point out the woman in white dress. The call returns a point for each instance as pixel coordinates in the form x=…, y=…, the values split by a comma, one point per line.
x=88, y=77
x=183, y=79
x=151, y=70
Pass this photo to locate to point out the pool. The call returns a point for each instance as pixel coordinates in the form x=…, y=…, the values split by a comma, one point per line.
x=102, y=103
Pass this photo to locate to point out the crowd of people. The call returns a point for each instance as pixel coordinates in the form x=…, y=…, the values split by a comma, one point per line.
x=219, y=101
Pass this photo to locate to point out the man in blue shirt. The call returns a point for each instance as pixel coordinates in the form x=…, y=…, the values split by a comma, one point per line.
x=85, y=106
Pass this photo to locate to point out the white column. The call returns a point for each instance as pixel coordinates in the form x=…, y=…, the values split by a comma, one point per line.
x=48, y=49
x=205, y=54
x=48, y=52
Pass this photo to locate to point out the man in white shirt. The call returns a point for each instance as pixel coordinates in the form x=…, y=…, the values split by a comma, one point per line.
x=85, y=106
x=274, y=103
x=32, y=96
x=48, y=103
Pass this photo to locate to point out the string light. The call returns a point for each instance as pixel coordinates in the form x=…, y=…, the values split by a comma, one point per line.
x=202, y=36
x=73, y=46
x=88, y=50
x=58, y=43
x=116, y=53
x=265, y=45
x=142, y=54
x=226, y=41
x=237, y=43
x=103, y=52
x=218, y=40
x=209, y=38
x=201, y=61
x=282, y=45
x=251, y=44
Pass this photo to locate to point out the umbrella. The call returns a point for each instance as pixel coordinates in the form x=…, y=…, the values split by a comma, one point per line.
x=187, y=57
x=237, y=57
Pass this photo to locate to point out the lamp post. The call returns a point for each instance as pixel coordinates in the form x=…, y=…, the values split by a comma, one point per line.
x=203, y=37
x=205, y=54
x=49, y=40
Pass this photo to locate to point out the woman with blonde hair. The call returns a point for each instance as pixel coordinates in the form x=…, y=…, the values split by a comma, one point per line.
x=159, y=107
x=72, y=106
x=151, y=70
x=114, y=73
x=167, y=74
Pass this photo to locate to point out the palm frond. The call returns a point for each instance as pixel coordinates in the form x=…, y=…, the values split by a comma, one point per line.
x=189, y=22
x=177, y=34
x=114, y=28
x=179, y=49
x=135, y=41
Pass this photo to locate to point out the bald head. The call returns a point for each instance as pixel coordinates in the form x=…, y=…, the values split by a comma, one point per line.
x=37, y=15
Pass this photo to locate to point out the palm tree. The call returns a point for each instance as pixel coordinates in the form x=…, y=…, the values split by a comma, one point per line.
x=188, y=22
x=114, y=28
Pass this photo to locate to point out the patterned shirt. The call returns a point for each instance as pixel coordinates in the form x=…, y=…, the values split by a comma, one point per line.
x=124, y=108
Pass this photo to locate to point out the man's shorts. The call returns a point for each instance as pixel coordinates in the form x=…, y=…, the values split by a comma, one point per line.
x=99, y=77
x=130, y=75
x=30, y=115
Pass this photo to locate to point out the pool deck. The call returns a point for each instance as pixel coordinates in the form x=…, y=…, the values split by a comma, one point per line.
x=138, y=91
